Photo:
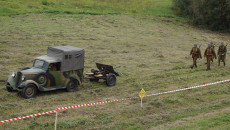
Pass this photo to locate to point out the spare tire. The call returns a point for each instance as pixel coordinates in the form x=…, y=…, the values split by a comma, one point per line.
x=42, y=79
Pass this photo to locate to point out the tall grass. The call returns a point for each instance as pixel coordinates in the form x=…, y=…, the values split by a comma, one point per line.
x=148, y=7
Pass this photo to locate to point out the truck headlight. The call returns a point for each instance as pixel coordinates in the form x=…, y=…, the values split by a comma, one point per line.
x=13, y=75
x=23, y=78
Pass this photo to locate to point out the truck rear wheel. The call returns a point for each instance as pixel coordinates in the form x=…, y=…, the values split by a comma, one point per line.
x=72, y=86
x=29, y=91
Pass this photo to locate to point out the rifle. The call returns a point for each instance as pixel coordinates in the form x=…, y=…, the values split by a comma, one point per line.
x=199, y=48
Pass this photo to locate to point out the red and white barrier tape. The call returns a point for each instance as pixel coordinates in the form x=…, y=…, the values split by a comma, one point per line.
x=63, y=108
x=23, y=117
x=183, y=89
x=91, y=104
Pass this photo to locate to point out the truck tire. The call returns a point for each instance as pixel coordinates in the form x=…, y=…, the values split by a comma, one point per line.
x=29, y=91
x=72, y=85
x=111, y=79
x=42, y=79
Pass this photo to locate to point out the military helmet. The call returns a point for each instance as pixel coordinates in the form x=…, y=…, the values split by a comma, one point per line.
x=222, y=43
x=195, y=45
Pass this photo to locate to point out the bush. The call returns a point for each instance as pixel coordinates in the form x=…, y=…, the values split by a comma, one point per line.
x=181, y=7
x=45, y=2
x=214, y=14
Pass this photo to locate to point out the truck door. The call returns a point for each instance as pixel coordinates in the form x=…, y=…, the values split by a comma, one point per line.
x=55, y=75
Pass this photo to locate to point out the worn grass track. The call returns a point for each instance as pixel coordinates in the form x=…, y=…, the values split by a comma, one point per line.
x=153, y=53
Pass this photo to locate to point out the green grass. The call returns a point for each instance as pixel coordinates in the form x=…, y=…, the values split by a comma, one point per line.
x=94, y=7
x=153, y=53
x=212, y=122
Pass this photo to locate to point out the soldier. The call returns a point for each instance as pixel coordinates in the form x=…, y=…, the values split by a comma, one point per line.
x=52, y=67
x=209, y=53
x=212, y=46
x=222, y=53
x=195, y=52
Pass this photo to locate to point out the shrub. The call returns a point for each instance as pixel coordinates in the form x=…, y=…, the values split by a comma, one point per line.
x=214, y=14
x=45, y=2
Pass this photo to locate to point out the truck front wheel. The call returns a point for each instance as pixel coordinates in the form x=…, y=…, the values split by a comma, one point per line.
x=29, y=91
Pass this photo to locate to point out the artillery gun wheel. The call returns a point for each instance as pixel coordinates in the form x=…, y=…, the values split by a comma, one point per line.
x=29, y=91
x=72, y=86
x=111, y=79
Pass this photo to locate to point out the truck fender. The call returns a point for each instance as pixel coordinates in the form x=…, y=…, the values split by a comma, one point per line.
x=25, y=83
x=76, y=78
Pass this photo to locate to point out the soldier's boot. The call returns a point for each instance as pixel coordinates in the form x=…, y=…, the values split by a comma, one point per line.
x=195, y=65
x=224, y=64
x=208, y=69
x=191, y=67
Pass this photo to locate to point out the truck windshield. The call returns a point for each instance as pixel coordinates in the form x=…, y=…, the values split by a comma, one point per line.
x=40, y=64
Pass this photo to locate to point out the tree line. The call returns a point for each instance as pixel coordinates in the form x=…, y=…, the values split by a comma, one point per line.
x=213, y=14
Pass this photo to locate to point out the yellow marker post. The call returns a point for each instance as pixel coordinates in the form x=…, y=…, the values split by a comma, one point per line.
x=142, y=94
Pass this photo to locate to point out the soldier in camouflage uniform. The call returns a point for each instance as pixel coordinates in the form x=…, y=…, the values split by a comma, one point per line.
x=222, y=53
x=195, y=52
x=209, y=54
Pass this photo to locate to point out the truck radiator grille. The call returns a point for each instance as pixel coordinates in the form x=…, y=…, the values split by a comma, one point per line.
x=18, y=78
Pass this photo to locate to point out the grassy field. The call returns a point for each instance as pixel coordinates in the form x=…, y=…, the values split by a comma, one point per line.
x=94, y=7
x=153, y=53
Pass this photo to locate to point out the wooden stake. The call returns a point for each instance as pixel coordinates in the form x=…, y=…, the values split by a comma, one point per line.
x=55, y=127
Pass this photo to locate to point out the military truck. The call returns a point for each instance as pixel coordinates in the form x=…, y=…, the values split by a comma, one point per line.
x=61, y=68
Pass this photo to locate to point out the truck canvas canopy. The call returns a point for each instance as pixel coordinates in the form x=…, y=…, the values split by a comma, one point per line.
x=72, y=58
